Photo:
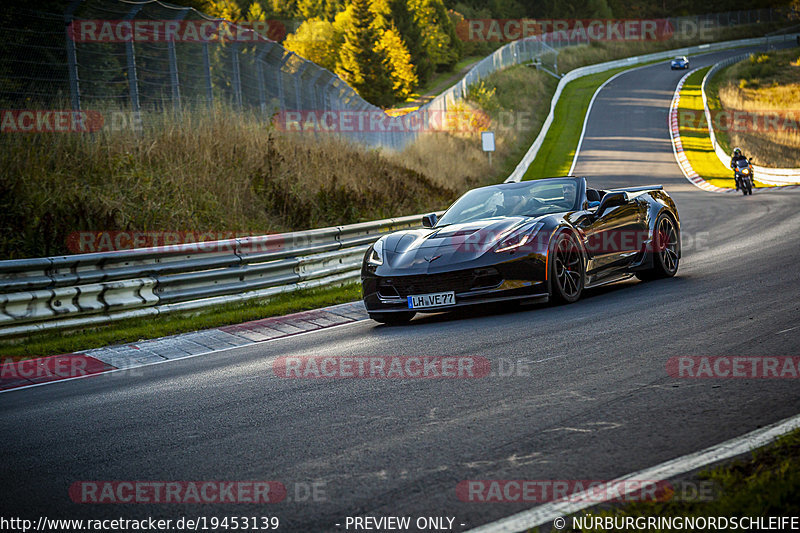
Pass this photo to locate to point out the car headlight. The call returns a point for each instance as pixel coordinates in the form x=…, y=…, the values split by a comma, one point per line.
x=375, y=256
x=518, y=238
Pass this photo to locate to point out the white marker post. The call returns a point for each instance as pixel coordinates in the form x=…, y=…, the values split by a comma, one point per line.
x=487, y=140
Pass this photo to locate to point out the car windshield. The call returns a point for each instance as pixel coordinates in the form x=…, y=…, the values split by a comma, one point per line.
x=530, y=198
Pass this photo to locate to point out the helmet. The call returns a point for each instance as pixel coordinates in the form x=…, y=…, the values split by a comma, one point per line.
x=737, y=151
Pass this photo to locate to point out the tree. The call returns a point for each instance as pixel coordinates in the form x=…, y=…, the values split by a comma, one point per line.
x=362, y=63
x=316, y=40
x=224, y=9
x=598, y=9
x=441, y=44
x=411, y=34
x=324, y=9
x=404, y=79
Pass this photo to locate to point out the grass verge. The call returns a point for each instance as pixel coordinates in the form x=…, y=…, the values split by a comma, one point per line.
x=765, y=484
x=695, y=136
x=558, y=149
x=133, y=330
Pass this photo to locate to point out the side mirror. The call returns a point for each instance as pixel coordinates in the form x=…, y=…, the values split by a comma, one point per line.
x=612, y=199
x=429, y=220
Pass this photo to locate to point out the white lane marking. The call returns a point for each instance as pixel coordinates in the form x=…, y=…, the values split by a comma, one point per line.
x=549, y=358
x=548, y=512
x=786, y=330
x=192, y=356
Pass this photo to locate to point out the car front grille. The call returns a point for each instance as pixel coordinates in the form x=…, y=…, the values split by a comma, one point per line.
x=458, y=281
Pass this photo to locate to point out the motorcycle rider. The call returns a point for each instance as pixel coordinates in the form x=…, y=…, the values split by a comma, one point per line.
x=737, y=156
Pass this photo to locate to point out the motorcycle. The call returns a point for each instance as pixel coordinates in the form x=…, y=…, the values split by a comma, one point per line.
x=743, y=174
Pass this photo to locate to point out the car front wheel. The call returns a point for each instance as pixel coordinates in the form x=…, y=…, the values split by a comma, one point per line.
x=567, y=269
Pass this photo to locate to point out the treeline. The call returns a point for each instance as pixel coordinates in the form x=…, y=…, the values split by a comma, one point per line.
x=387, y=49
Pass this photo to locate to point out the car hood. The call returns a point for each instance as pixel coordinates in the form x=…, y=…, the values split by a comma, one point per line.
x=432, y=249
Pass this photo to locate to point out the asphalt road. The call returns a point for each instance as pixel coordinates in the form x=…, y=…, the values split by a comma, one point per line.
x=590, y=398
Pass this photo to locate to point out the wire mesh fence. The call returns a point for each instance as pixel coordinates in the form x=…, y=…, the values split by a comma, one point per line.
x=117, y=55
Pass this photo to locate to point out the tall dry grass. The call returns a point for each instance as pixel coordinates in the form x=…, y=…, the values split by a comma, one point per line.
x=766, y=88
x=206, y=172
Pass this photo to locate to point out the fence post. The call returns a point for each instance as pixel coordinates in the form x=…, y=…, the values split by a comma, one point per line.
x=237, y=80
x=262, y=91
x=133, y=82
x=326, y=95
x=207, y=71
x=173, y=66
x=72, y=57
x=281, y=96
x=297, y=77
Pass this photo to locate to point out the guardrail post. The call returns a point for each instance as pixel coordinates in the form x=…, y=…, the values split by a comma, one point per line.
x=130, y=54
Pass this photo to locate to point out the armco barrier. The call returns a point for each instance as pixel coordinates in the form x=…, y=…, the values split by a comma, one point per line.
x=86, y=289
x=770, y=176
x=530, y=155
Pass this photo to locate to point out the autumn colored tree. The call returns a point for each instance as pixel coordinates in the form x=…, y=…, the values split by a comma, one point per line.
x=407, y=26
x=401, y=70
x=362, y=62
x=316, y=40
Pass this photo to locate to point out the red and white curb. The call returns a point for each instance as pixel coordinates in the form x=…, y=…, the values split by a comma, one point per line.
x=680, y=156
x=677, y=146
x=34, y=372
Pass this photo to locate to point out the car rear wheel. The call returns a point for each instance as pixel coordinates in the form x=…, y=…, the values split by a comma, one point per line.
x=392, y=318
x=567, y=269
x=666, y=247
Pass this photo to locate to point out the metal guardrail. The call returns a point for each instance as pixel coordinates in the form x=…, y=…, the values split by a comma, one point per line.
x=85, y=289
x=770, y=176
x=530, y=155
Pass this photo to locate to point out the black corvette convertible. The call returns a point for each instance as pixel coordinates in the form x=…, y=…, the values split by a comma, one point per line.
x=543, y=240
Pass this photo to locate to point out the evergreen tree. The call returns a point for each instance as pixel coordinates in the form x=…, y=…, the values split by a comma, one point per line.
x=409, y=30
x=362, y=63
x=442, y=46
x=404, y=79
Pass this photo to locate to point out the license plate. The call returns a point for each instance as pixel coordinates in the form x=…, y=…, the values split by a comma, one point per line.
x=434, y=299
